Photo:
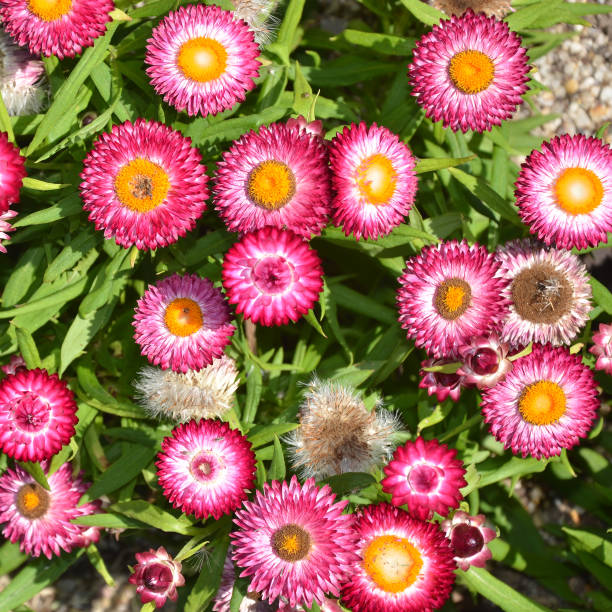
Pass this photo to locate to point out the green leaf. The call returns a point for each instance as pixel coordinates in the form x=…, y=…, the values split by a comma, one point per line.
x=529, y=15
x=23, y=276
x=38, y=185
x=381, y=43
x=423, y=12
x=68, y=206
x=27, y=348
x=5, y=122
x=500, y=468
x=277, y=468
x=289, y=26
x=361, y=304
x=440, y=412
x=36, y=472
x=592, y=543
x=439, y=163
x=601, y=295
x=601, y=132
x=11, y=557
x=312, y=320
x=262, y=434
x=156, y=517
x=346, y=70
x=302, y=93
x=70, y=254
x=97, y=561
x=153, y=9
x=254, y=387
x=343, y=484
x=108, y=520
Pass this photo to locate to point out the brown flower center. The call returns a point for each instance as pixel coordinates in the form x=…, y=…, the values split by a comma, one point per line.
x=32, y=500
x=452, y=298
x=291, y=543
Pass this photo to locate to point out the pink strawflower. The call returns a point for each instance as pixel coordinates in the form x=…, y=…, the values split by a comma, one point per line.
x=15, y=364
x=277, y=176
x=469, y=536
x=6, y=227
x=206, y=468
x=41, y=519
x=272, y=276
x=202, y=59
x=548, y=291
x=602, y=349
x=426, y=476
x=470, y=72
x=545, y=404
x=564, y=191
x=12, y=172
x=61, y=27
x=157, y=575
x=143, y=184
x=443, y=384
x=37, y=415
x=295, y=542
x=314, y=128
x=450, y=293
x=406, y=565
x=182, y=323
x=484, y=361
x=374, y=180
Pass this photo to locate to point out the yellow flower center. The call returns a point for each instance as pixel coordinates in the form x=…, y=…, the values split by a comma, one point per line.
x=376, y=179
x=202, y=59
x=49, y=10
x=542, y=403
x=578, y=190
x=452, y=298
x=32, y=501
x=271, y=184
x=471, y=71
x=183, y=317
x=392, y=563
x=291, y=543
x=141, y=185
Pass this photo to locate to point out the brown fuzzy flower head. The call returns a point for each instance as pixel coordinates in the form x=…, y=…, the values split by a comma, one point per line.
x=203, y=394
x=338, y=434
x=491, y=8
x=258, y=16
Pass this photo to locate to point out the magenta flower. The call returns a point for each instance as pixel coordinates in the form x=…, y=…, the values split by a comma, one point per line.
x=272, y=276
x=602, y=349
x=15, y=364
x=12, y=172
x=484, y=361
x=469, y=536
x=443, y=384
x=6, y=227
x=182, y=323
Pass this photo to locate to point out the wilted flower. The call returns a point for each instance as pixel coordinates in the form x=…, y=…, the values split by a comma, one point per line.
x=484, y=361
x=469, y=536
x=443, y=384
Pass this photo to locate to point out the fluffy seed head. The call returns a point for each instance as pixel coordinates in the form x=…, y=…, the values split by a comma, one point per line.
x=491, y=8
x=258, y=16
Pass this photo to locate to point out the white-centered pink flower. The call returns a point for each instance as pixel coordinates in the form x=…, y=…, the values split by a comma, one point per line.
x=602, y=348
x=469, y=536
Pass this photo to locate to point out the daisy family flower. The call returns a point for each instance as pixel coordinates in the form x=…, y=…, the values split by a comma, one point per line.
x=443, y=384
x=314, y=128
x=294, y=542
x=469, y=72
x=37, y=415
x=12, y=172
x=15, y=363
x=405, y=565
x=338, y=434
x=143, y=184
x=202, y=60
x=426, y=476
x=22, y=79
x=564, y=191
x=469, y=536
x=602, y=349
x=277, y=176
x=484, y=361
x=39, y=518
x=182, y=323
x=495, y=8
x=272, y=276
x=157, y=575
x=6, y=227
x=206, y=468
x=374, y=180
x=450, y=293
x=58, y=27
x=545, y=404
x=548, y=291
x=180, y=397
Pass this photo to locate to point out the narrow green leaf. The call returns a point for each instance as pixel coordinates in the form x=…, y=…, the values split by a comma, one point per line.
x=529, y=15
x=277, y=468
x=5, y=122
x=68, y=206
x=602, y=130
x=500, y=468
x=302, y=93
x=38, y=185
x=439, y=413
x=356, y=302
x=423, y=12
x=381, y=43
x=254, y=387
x=97, y=561
x=23, y=276
x=76, y=249
x=108, y=520
x=27, y=348
x=343, y=484
x=601, y=295
x=289, y=26
x=262, y=434
x=312, y=320
x=156, y=517
x=153, y=9
x=592, y=542
x=11, y=557
x=36, y=472
x=439, y=163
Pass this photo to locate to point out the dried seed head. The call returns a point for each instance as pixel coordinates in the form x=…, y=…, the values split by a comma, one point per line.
x=496, y=8
x=206, y=394
x=258, y=16
x=338, y=434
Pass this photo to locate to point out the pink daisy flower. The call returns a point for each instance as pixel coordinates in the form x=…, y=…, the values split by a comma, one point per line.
x=443, y=384
x=548, y=291
x=182, y=323
x=405, y=565
x=206, y=468
x=143, y=184
x=61, y=27
x=157, y=575
x=426, y=476
x=602, y=349
x=272, y=276
x=6, y=227
x=277, y=176
x=295, y=542
x=545, y=404
x=12, y=172
x=450, y=292
x=202, y=59
x=484, y=361
x=15, y=363
x=374, y=180
x=469, y=536
x=314, y=128
x=564, y=191
x=470, y=72
x=37, y=415
x=40, y=519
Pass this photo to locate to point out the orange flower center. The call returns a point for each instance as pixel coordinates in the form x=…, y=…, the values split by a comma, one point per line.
x=32, y=501
x=291, y=543
x=271, y=184
x=141, y=185
x=183, y=317
x=376, y=179
x=392, y=563
x=471, y=71
x=578, y=190
x=542, y=403
x=202, y=59
x=49, y=10
x=452, y=298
